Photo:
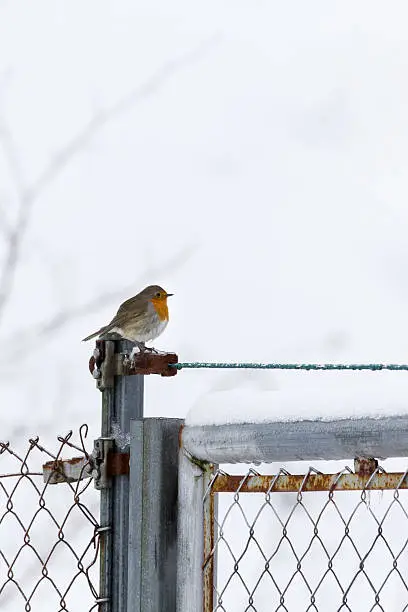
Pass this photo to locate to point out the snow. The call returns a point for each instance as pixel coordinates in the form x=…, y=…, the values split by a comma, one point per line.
x=381, y=396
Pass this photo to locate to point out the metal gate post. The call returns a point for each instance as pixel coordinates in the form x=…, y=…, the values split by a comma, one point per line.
x=196, y=536
x=121, y=402
x=152, y=553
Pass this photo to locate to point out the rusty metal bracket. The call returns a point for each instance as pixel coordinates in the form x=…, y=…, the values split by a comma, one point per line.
x=108, y=463
x=104, y=464
x=104, y=364
x=67, y=470
x=145, y=363
x=97, y=359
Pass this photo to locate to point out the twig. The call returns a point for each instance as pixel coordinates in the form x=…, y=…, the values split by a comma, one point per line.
x=21, y=341
x=28, y=195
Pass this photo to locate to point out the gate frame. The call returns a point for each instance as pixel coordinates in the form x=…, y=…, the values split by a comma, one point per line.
x=202, y=448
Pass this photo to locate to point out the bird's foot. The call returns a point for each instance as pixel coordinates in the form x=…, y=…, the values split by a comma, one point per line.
x=138, y=349
x=150, y=349
x=145, y=349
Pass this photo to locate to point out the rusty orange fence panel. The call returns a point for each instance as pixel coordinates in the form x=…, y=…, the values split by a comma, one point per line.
x=312, y=541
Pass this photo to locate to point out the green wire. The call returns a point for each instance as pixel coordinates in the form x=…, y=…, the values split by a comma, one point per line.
x=288, y=366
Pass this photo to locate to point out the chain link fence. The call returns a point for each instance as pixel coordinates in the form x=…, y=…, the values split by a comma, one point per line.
x=49, y=538
x=311, y=542
x=177, y=533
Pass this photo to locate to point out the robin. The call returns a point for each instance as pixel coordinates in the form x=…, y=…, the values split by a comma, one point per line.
x=141, y=318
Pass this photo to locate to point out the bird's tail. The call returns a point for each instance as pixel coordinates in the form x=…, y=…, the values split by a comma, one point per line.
x=97, y=333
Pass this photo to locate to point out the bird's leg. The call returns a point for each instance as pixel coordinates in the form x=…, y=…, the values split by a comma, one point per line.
x=140, y=347
x=135, y=350
x=143, y=348
x=151, y=349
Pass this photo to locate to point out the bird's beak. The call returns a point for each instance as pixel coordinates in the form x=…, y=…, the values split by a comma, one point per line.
x=169, y=294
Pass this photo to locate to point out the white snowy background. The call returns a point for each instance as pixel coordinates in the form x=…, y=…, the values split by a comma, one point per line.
x=249, y=156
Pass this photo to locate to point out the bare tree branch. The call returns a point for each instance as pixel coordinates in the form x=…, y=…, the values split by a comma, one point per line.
x=20, y=343
x=146, y=89
x=28, y=195
x=4, y=222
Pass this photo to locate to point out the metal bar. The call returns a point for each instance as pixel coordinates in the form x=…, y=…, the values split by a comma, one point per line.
x=106, y=503
x=159, y=520
x=153, y=515
x=120, y=404
x=292, y=483
x=210, y=508
x=135, y=600
x=146, y=363
x=190, y=536
x=298, y=441
x=141, y=363
x=152, y=553
x=67, y=470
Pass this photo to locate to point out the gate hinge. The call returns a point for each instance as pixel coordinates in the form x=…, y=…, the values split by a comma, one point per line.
x=102, y=465
x=102, y=448
x=108, y=462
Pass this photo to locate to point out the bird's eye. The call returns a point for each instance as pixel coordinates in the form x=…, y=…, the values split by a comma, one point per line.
x=158, y=294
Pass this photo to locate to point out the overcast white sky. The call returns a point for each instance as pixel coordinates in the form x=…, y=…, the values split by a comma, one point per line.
x=262, y=145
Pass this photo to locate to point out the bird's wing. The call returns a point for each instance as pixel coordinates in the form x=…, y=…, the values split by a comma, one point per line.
x=129, y=307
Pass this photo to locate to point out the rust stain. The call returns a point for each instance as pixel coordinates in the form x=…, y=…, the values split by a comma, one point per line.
x=96, y=360
x=208, y=564
x=59, y=463
x=91, y=364
x=292, y=483
x=142, y=363
x=180, y=436
x=74, y=460
x=153, y=363
x=365, y=466
x=117, y=464
x=62, y=470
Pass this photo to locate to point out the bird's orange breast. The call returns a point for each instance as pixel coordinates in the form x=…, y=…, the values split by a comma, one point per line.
x=160, y=306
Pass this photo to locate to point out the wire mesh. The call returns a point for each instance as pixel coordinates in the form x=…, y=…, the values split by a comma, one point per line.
x=320, y=547
x=49, y=536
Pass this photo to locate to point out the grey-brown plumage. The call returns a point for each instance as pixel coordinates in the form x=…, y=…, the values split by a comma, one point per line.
x=140, y=318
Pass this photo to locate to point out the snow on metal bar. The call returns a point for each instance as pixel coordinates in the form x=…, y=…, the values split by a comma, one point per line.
x=303, y=440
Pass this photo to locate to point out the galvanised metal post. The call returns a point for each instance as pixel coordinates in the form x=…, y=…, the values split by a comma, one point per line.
x=152, y=553
x=196, y=578
x=121, y=402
